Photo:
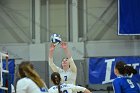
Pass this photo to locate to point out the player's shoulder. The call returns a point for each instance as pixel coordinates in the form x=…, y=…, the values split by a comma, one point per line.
x=70, y=85
x=118, y=79
x=53, y=88
x=24, y=80
x=60, y=70
x=51, y=91
x=70, y=59
x=63, y=85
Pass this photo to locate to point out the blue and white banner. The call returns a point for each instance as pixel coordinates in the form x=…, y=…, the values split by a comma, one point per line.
x=11, y=68
x=101, y=70
x=128, y=17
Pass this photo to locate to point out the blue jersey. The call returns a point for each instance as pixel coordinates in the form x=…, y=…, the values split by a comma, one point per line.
x=125, y=85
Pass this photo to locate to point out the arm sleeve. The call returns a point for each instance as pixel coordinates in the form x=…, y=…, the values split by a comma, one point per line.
x=72, y=65
x=51, y=90
x=77, y=88
x=52, y=65
x=116, y=87
x=12, y=89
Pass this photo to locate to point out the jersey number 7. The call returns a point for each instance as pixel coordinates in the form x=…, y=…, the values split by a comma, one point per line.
x=65, y=91
x=65, y=77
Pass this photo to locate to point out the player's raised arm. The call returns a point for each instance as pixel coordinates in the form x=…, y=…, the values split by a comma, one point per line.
x=68, y=54
x=51, y=63
x=51, y=50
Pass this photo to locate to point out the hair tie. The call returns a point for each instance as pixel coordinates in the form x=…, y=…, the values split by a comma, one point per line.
x=55, y=76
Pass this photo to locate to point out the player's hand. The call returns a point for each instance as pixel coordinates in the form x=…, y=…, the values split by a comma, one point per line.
x=52, y=47
x=64, y=45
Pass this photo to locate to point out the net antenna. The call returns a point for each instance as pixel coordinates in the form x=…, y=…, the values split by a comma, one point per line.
x=3, y=56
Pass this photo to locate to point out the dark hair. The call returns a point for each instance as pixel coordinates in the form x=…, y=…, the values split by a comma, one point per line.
x=26, y=69
x=124, y=69
x=55, y=77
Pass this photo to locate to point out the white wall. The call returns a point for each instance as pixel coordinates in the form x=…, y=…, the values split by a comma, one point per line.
x=16, y=51
x=57, y=18
x=102, y=20
x=113, y=48
x=37, y=52
x=16, y=18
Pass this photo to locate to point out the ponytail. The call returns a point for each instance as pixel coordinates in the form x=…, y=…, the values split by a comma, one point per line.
x=124, y=69
x=26, y=69
x=130, y=70
x=33, y=75
x=55, y=77
x=59, y=89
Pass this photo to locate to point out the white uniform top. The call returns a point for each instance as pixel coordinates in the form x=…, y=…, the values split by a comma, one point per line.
x=12, y=89
x=66, y=88
x=26, y=85
x=69, y=76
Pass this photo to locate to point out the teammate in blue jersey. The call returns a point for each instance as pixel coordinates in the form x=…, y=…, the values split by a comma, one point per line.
x=64, y=88
x=123, y=83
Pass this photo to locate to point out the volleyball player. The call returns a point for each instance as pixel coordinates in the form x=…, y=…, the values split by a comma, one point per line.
x=123, y=83
x=64, y=88
x=68, y=71
x=30, y=81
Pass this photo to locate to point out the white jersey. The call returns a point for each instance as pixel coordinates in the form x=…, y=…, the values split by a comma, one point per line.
x=66, y=88
x=12, y=89
x=26, y=85
x=69, y=76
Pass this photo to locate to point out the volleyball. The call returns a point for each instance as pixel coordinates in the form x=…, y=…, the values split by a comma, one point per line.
x=55, y=39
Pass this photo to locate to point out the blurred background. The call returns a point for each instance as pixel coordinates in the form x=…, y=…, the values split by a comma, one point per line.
x=89, y=26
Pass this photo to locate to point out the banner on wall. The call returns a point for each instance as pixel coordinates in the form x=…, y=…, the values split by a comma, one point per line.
x=11, y=68
x=8, y=79
x=101, y=70
x=128, y=17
